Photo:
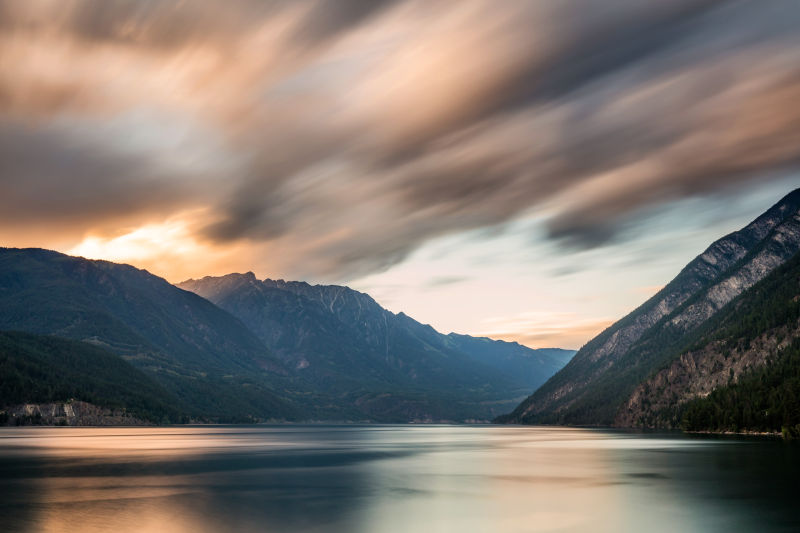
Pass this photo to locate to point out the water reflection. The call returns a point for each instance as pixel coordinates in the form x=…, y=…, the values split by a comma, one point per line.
x=390, y=479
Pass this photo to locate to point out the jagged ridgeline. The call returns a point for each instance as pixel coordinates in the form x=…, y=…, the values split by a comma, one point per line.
x=390, y=366
x=629, y=375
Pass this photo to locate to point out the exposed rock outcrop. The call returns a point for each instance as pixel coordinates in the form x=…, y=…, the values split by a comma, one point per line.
x=656, y=403
x=73, y=413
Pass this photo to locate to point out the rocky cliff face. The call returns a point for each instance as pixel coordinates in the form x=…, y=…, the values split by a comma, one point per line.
x=590, y=389
x=757, y=330
x=779, y=245
x=73, y=413
x=711, y=265
x=657, y=402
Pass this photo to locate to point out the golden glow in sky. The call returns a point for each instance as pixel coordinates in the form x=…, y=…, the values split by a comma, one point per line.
x=517, y=171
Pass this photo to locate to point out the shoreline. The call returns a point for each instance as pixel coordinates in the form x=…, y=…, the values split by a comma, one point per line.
x=642, y=431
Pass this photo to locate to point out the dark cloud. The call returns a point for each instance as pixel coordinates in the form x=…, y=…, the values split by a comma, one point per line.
x=50, y=173
x=597, y=39
x=346, y=134
x=326, y=19
x=141, y=23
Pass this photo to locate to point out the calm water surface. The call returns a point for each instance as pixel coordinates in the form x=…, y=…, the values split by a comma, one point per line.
x=391, y=479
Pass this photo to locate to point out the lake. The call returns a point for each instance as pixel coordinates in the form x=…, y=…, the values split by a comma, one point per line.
x=376, y=479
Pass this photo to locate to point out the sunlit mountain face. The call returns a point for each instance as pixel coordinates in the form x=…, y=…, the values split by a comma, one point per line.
x=529, y=171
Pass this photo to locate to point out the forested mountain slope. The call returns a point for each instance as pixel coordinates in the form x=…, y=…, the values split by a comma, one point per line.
x=739, y=371
x=208, y=359
x=36, y=369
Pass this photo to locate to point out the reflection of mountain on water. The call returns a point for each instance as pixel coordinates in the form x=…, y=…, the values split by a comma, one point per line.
x=389, y=479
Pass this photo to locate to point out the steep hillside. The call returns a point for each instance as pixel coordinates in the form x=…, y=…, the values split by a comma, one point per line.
x=384, y=364
x=36, y=369
x=605, y=372
x=739, y=370
x=207, y=358
x=766, y=399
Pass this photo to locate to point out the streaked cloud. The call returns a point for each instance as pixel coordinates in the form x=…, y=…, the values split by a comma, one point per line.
x=366, y=129
x=344, y=135
x=333, y=140
x=444, y=281
x=544, y=329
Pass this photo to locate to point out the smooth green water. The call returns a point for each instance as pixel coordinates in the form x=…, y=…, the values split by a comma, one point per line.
x=391, y=479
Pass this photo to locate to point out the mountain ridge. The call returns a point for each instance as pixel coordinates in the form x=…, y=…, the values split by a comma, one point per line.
x=313, y=353
x=750, y=333
x=199, y=352
x=592, y=386
x=323, y=329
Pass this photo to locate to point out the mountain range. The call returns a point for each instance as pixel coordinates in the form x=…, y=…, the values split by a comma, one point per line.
x=247, y=350
x=687, y=343
x=716, y=349
x=348, y=346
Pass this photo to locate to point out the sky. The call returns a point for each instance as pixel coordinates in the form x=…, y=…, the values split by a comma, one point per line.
x=528, y=170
